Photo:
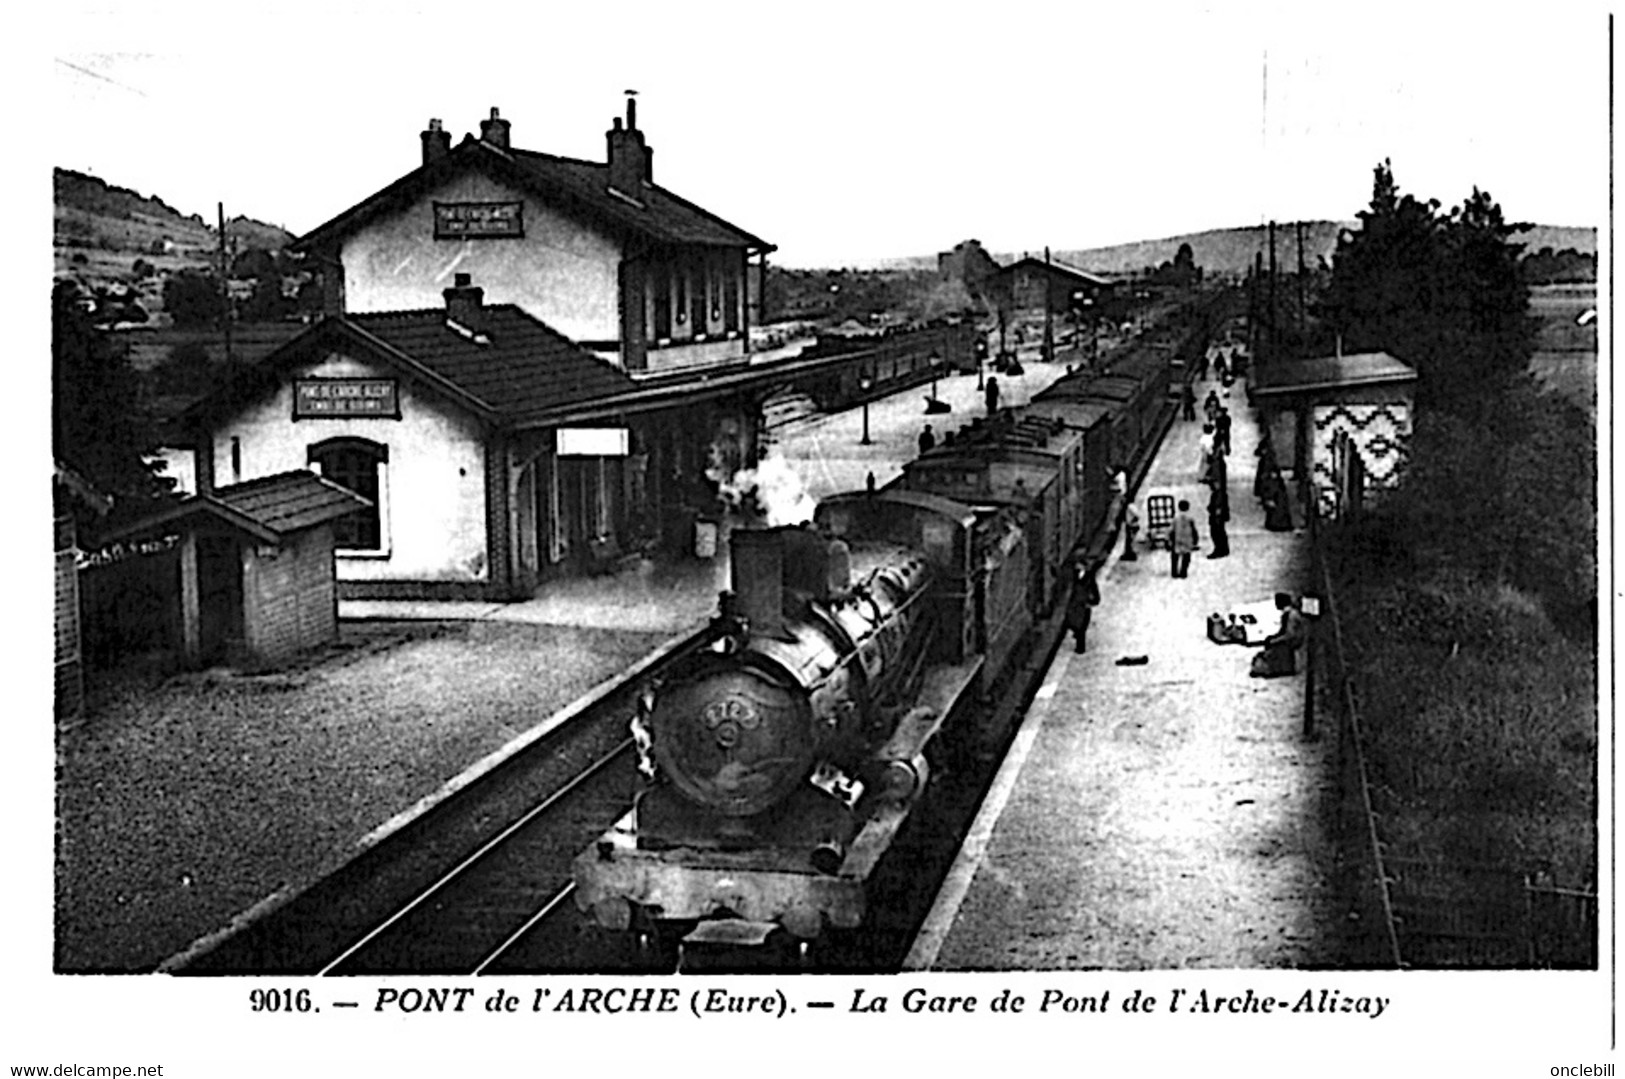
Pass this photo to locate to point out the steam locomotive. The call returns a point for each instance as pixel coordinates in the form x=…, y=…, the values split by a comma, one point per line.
x=782, y=762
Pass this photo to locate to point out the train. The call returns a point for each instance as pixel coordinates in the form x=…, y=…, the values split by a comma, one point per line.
x=780, y=764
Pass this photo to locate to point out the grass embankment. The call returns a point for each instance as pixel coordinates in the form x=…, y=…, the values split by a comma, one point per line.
x=1481, y=722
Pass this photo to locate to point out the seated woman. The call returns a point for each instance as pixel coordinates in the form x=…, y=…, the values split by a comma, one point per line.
x=1280, y=654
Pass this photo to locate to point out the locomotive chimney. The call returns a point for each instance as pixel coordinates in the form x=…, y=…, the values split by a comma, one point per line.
x=758, y=579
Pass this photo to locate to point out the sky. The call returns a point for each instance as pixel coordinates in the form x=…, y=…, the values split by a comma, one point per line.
x=849, y=132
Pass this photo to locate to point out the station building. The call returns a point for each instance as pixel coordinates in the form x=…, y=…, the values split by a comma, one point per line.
x=530, y=366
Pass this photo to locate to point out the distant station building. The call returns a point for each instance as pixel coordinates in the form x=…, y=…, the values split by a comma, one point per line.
x=1342, y=422
x=1035, y=284
x=530, y=366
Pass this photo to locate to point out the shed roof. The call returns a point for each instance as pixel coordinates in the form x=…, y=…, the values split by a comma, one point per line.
x=1330, y=372
x=270, y=509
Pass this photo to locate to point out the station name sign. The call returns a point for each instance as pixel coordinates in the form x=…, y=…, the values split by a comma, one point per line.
x=338, y=398
x=460, y=220
x=593, y=442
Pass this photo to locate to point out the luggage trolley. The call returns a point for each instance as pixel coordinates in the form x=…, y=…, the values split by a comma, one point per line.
x=1159, y=517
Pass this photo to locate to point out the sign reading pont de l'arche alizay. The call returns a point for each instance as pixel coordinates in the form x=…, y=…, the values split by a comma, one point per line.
x=338, y=398
x=459, y=220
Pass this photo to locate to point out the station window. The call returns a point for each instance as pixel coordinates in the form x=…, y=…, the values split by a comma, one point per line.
x=362, y=466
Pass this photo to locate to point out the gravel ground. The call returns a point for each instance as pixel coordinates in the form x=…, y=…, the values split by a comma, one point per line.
x=183, y=803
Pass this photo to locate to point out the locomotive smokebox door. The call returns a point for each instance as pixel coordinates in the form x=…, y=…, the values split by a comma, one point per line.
x=734, y=741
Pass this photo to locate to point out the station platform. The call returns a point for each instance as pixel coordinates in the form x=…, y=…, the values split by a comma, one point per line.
x=825, y=453
x=1157, y=815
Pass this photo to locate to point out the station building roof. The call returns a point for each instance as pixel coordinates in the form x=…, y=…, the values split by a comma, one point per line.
x=1330, y=373
x=583, y=186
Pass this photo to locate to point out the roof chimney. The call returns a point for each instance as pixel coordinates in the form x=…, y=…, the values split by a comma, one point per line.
x=495, y=130
x=630, y=159
x=436, y=142
x=464, y=302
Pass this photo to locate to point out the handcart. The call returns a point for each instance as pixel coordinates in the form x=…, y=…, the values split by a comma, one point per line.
x=1159, y=518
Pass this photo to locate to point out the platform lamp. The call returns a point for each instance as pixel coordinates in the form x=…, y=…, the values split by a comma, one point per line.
x=935, y=404
x=865, y=384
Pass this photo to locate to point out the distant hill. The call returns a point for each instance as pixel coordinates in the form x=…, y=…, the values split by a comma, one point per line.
x=1231, y=251
x=101, y=230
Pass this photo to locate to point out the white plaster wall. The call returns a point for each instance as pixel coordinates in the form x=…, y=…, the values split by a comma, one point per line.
x=436, y=473
x=562, y=271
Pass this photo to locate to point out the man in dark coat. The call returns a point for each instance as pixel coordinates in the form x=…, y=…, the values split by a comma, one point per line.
x=1187, y=402
x=1081, y=603
x=1221, y=430
x=928, y=439
x=1218, y=513
x=992, y=392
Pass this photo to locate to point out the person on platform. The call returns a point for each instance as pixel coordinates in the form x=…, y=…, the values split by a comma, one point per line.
x=1081, y=604
x=992, y=393
x=1131, y=530
x=1183, y=539
x=1210, y=405
x=928, y=439
x=1204, y=452
x=1187, y=403
x=1280, y=654
x=1277, y=503
x=1218, y=515
x=1221, y=430
x=1221, y=369
x=1218, y=471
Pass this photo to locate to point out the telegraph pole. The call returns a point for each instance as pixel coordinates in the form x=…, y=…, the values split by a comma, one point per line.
x=225, y=286
x=1049, y=313
x=1303, y=313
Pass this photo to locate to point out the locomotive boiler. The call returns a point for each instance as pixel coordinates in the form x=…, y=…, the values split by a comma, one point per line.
x=781, y=762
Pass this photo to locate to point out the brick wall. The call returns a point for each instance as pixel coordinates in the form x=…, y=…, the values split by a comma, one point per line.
x=289, y=597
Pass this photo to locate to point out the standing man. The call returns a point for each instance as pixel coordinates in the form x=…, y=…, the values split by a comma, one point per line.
x=1187, y=402
x=992, y=396
x=1218, y=513
x=1183, y=541
x=928, y=439
x=1221, y=430
x=1081, y=604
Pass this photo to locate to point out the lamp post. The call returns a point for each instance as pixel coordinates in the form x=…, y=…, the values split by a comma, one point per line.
x=934, y=360
x=864, y=384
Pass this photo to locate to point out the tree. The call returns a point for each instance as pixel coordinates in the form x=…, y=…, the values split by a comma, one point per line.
x=1444, y=294
x=192, y=298
x=94, y=424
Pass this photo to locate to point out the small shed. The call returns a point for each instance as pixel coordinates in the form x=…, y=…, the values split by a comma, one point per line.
x=256, y=583
x=1344, y=422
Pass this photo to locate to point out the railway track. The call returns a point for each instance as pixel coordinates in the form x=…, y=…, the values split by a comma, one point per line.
x=498, y=848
